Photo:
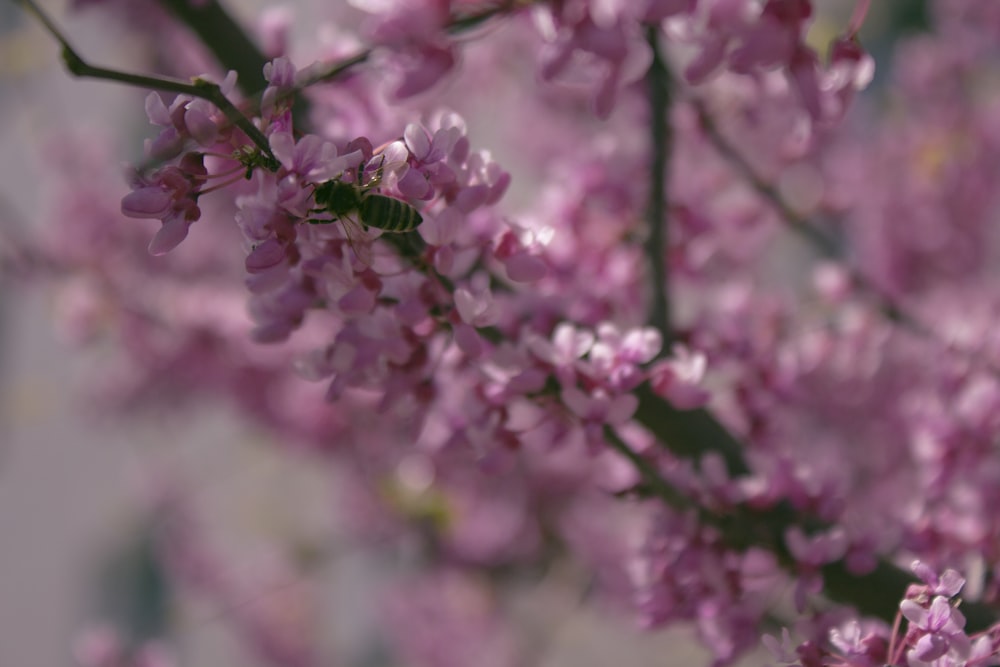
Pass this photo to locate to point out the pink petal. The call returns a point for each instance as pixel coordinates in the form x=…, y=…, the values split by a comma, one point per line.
x=173, y=231
x=413, y=185
x=358, y=301
x=167, y=144
x=147, y=202
x=201, y=126
x=444, y=259
x=525, y=268
x=434, y=63
x=471, y=198
x=469, y=307
x=578, y=402
x=283, y=147
x=622, y=408
x=156, y=110
x=417, y=141
x=266, y=255
x=441, y=229
x=499, y=187
x=468, y=340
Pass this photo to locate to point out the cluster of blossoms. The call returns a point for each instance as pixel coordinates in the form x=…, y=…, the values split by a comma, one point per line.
x=935, y=633
x=491, y=383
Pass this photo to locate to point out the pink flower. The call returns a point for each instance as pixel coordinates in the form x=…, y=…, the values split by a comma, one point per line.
x=476, y=307
x=615, y=357
x=679, y=378
x=597, y=409
x=313, y=158
x=941, y=628
x=616, y=55
x=170, y=195
x=186, y=118
x=947, y=584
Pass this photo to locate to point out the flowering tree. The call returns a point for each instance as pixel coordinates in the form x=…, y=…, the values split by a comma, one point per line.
x=721, y=333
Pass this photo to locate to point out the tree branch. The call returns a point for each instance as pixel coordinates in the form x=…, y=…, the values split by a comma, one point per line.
x=658, y=85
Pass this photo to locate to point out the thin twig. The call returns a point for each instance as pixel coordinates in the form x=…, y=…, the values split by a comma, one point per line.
x=824, y=244
x=458, y=24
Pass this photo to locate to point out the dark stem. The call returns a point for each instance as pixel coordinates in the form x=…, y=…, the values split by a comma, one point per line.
x=689, y=434
x=658, y=85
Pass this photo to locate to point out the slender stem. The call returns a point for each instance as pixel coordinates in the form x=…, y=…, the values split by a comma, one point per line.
x=214, y=95
x=692, y=433
x=825, y=245
x=657, y=221
x=198, y=87
x=336, y=69
x=893, y=636
x=458, y=24
x=238, y=53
